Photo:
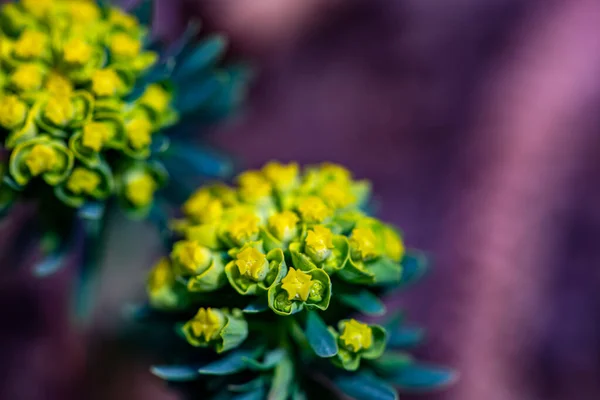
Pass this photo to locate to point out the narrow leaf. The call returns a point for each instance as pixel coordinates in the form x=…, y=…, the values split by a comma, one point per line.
x=405, y=337
x=414, y=266
x=364, y=386
x=319, y=337
x=176, y=373
x=421, y=377
x=230, y=364
x=282, y=379
x=364, y=302
x=204, y=55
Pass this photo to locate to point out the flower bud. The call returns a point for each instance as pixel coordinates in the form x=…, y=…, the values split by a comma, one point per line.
x=190, y=257
x=284, y=225
x=317, y=289
x=363, y=244
x=318, y=243
x=356, y=336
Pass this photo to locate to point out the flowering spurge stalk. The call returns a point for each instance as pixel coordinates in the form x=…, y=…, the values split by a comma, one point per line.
x=269, y=283
x=88, y=102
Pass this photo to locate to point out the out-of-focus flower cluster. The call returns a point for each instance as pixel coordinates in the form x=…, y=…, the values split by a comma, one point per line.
x=72, y=114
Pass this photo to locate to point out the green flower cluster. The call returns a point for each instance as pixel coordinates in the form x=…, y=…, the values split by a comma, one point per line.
x=72, y=114
x=281, y=261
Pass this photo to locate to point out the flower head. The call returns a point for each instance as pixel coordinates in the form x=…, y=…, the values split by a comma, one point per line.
x=83, y=181
x=282, y=177
x=207, y=323
x=252, y=264
x=42, y=158
x=364, y=243
x=297, y=284
x=13, y=111
x=319, y=243
x=356, y=336
x=191, y=257
x=283, y=225
x=314, y=210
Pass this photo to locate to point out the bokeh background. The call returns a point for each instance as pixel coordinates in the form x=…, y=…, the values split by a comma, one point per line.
x=478, y=124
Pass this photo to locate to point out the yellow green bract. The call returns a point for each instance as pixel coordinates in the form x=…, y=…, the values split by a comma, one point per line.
x=283, y=237
x=68, y=114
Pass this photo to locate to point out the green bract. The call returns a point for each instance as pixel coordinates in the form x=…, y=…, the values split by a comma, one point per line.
x=297, y=253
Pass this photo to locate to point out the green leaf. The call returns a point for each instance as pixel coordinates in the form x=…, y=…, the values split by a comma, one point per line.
x=282, y=379
x=319, y=337
x=197, y=93
x=251, y=386
x=363, y=301
x=176, y=373
x=421, y=377
x=405, y=337
x=365, y=386
x=414, y=267
x=392, y=362
x=271, y=359
x=204, y=55
x=385, y=271
x=232, y=363
x=356, y=273
x=143, y=11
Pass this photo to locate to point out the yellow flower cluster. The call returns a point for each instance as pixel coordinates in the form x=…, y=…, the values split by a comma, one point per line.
x=68, y=70
x=283, y=233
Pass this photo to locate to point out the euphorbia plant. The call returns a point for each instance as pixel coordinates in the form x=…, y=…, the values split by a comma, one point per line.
x=266, y=288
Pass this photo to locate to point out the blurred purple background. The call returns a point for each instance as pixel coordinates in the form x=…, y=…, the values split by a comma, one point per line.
x=477, y=122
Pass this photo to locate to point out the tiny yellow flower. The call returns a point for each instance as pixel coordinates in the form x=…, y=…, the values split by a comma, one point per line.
x=77, y=51
x=336, y=172
x=42, y=158
x=12, y=111
x=337, y=195
x=59, y=110
x=207, y=323
x=191, y=256
x=58, y=85
x=297, y=284
x=140, y=190
x=394, y=248
x=282, y=176
x=120, y=19
x=84, y=11
x=31, y=44
x=244, y=228
x=106, y=82
x=253, y=186
x=124, y=46
x=364, y=243
x=314, y=210
x=160, y=277
x=283, y=225
x=95, y=134
x=356, y=336
x=156, y=98
x=202, y=207
x=252, y=264
x=139, y=132
x=319, y=243
x=27, y=77
x=38, y=8
x=83, y=181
